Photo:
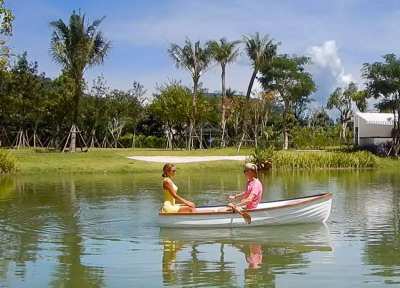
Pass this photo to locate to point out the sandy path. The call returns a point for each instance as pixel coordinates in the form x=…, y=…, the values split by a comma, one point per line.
x=186, y=159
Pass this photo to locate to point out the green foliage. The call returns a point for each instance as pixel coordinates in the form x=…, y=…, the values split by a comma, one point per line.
x=76, y=46
x=7, y=162
x=383, y=83
x=315, y=138
x=323, y=160
x=341, y=100
x=268, y=158
x=6, y=27
x=262, y=158
x=191, y=57
x=142, y=141
x=173, y=105
x=260, y=50
x=7, y=18
x=287, y=76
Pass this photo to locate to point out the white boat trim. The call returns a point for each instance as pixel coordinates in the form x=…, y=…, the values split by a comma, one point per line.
x=310, y=209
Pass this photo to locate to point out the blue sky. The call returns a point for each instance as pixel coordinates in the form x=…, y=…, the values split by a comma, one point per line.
x=338, y=35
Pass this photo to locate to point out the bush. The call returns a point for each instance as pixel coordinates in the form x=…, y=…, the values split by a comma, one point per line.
x=315, y=138
x=7, y=162
x=142, y=141
x=262, y=158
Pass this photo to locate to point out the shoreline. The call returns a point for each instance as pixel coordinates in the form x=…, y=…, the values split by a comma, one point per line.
x=186, y=159
x=111, y=161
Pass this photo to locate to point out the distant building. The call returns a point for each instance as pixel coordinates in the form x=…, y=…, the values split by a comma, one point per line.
x=372, y=128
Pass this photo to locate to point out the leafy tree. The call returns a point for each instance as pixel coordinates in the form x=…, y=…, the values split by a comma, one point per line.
x=27, y=94
x=6, y=27
x=286, y=77
x=223, y=52
x=195, y=59
x=77, y=46
x=321, y=119
x=342, y=99
x=173, y=106
x=383, y=83
x=360, y=99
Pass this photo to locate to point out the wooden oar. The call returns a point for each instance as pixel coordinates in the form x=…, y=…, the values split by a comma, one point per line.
x=246, y=216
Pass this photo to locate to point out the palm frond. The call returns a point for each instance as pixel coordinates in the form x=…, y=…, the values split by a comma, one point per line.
x=77, y=46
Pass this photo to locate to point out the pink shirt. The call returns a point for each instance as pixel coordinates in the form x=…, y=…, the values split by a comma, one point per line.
x=254, y=187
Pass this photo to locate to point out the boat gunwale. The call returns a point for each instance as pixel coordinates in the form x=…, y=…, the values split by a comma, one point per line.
x=312, y=198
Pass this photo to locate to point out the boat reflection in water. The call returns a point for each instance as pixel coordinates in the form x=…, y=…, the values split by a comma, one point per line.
x=229, y=257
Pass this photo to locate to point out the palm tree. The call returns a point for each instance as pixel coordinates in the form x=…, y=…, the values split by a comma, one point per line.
x=223, y=52
x=260, y=50
x=195, y=59
x=77, y=46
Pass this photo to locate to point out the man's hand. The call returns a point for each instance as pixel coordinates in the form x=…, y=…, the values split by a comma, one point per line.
x=233, y=206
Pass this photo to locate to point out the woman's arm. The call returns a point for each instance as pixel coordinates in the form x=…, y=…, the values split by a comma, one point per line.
x=168, y=186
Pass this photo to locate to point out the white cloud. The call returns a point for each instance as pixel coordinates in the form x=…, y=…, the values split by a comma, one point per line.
x=326, y=59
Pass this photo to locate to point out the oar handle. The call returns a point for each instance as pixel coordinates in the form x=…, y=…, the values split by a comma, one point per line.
x=246, y=216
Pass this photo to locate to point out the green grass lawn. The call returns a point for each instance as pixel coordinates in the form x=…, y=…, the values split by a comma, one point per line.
x=30, y=161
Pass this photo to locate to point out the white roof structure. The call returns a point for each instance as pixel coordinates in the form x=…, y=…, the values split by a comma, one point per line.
x=377, y=118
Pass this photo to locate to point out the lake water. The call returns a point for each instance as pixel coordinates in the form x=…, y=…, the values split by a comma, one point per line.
x=100, y=231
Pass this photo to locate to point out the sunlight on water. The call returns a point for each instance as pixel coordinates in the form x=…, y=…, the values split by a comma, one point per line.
x=100, y=231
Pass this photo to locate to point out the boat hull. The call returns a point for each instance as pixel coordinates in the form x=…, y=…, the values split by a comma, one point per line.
x=312, y=209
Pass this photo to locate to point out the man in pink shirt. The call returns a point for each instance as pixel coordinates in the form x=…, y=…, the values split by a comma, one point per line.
x=250, y=198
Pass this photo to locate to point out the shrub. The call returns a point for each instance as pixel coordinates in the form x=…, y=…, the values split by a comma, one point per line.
x=142, y=141
x=315, y=138
x=7, y=162
x=262, y=158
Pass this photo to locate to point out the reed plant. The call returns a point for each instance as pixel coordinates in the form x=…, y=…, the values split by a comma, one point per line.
x=323, y=160
x=7, y=162
x=269, y=158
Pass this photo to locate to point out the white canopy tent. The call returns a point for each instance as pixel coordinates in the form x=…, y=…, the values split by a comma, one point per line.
x=372, y=128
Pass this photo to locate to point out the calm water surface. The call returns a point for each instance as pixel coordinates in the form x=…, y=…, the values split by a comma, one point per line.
x=100, y=231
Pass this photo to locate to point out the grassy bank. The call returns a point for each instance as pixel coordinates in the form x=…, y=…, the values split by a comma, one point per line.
x=115, y=160
x=111, y=160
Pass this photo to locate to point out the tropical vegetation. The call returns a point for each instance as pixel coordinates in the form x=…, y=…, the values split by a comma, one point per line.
x=66, y=111
x=289, y=160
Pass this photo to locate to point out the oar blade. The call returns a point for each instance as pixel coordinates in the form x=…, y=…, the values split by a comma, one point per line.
x=246, y=217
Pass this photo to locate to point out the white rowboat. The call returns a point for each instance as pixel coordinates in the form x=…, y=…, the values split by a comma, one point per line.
x=310, y=209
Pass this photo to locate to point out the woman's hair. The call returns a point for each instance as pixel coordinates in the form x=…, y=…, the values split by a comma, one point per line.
x=167, y=167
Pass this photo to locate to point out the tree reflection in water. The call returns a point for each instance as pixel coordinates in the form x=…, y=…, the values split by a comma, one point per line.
x=48, y=220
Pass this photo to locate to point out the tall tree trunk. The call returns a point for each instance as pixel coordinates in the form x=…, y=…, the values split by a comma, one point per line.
x=285, y=127
x=286, y=138
x=72, y=145
x=192, y=125
x=396, y=132
x=246, y=113
x=344, y=130
x=250, y=87
x=78, y=78
x=223, y=120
